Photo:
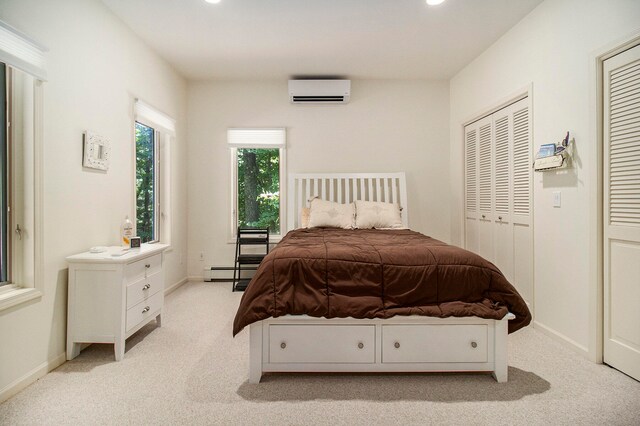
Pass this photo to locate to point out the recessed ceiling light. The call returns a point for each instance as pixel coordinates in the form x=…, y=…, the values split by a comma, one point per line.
x=213, y=1
x=431, y=2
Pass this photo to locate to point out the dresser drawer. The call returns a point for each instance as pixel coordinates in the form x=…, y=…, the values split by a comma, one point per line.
x=144, y=288
x=309, y=343
x=434, y=343
x=142, y=268
x=144, y=310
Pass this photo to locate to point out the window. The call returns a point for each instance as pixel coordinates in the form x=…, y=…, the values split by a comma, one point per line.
x=154, y=132
x=22, y=74
x=257, y=157
x=19, y=180
x=147, y=162
x=259, y=188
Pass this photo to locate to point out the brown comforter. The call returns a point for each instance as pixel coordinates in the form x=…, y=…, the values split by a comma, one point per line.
x=328, y=272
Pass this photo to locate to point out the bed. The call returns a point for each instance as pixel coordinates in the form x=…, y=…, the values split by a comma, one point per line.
x=369, y=300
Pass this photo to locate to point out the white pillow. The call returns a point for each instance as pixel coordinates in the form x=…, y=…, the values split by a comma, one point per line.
x=330, y=214
x=376, y=214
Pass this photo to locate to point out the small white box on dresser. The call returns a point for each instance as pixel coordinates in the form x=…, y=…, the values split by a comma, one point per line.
x=112, y=295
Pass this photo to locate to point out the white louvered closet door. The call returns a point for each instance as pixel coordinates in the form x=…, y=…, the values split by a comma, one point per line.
x=485, y=188
x=502, y=225
x=471, y=187
x=498, y=201
x=622, y=212
x=522, y=200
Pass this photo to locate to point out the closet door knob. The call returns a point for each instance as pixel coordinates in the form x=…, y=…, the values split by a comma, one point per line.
x=146, y=309
x=283, y=345
x=396, y=345
x=147, y=266
x=146, y=287
x=483, y=216
x=474, y=345
x=360, y=345
x=499, y=217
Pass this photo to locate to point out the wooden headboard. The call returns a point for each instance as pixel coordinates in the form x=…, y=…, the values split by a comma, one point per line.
x=344, y=188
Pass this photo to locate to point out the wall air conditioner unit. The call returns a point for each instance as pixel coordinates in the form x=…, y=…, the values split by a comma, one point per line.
x=319, y=91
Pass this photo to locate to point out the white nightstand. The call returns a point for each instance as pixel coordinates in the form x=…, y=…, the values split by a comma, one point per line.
x=111, y=297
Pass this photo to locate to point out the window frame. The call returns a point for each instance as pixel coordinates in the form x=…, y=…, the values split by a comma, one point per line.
x=20, y=52
x=6, y=183
x=273, y=238
x=23, y=288
x=157, y=170
x=164, y=137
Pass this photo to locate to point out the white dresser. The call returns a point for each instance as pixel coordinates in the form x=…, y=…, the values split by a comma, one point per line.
x=112, y=295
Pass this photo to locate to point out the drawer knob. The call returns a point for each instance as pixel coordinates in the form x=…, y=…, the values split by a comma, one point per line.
x=396, y=345
x=360, y=345
x=474, y=345
x=148, y=265
x=146, y=309
x=283, y=345
x=146, y=287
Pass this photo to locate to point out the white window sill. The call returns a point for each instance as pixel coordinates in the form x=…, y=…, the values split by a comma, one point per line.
x=12, y=295
x=169, y=248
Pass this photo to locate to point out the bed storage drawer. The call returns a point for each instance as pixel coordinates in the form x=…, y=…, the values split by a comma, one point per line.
x=321, y=344
x=434, y=343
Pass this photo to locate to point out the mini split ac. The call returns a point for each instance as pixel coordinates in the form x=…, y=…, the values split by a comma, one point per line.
x=319, y=91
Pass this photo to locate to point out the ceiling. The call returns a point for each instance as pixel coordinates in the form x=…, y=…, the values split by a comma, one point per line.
x=277, y=39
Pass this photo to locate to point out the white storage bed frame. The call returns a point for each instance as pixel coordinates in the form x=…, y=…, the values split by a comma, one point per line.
x=299, y=343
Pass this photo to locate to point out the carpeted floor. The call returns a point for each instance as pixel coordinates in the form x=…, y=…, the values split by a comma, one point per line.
x=191, y=371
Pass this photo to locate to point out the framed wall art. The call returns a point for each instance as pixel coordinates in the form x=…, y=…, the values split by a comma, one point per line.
x=96, y=151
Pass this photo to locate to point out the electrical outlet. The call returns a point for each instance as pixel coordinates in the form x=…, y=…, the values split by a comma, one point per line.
x=201, y=257
x=557, y=198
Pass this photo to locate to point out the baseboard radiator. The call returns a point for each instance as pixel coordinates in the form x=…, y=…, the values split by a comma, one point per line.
x=225, y=273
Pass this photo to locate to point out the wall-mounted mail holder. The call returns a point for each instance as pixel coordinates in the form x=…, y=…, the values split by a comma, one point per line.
x=554, y=156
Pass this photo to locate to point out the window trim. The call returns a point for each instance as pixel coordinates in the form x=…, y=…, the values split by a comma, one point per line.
x=7, y=181
x=18, y=293
x=234, y=192
x=21, y=52
x=164, y=136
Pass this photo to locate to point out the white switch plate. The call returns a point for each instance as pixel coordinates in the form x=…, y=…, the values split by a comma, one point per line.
x=556, y=198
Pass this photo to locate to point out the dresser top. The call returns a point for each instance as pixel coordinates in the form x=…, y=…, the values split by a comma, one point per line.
x=117, y=254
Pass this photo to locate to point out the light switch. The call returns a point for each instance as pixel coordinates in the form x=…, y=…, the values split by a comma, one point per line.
x=556, y=198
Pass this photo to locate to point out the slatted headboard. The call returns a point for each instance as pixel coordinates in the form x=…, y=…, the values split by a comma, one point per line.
x=344, y=188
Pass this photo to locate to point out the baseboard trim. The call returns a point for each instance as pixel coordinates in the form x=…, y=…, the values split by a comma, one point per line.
x=561, y=338
x=175, y=286
x=195, y=278
x=31, y=377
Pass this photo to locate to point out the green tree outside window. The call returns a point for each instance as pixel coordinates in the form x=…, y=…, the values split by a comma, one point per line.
x=145, y=182
x=259, y=188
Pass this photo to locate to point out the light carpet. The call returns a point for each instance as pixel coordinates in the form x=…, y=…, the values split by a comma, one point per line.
x=191, y=371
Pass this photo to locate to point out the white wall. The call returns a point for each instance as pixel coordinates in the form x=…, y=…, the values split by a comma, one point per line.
x=96, y=66
x=388, y=126
x=553, y=48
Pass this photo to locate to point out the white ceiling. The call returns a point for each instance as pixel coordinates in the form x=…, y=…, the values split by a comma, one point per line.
x=277, y=39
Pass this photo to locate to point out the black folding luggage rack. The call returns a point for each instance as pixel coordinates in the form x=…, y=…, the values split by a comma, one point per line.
x=248, y=237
